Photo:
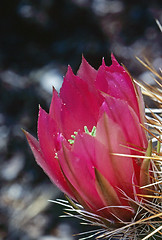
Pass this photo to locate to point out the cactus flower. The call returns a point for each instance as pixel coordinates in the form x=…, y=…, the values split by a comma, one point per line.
x=85, y=141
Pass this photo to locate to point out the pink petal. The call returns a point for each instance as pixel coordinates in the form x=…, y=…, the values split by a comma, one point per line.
x=116, y=82
x=80, y=106
x=59, y=181
x=101, y=82
x=110, y=197
x=87, y=148
x=87, y=73
x=79, y=169
x=117, y=170
x=121, y=113
x=35, y=147
x=47, y=132
x=50, y=142
x=55, y=108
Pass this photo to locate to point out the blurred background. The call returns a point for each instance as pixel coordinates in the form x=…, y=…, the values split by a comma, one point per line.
x=38, y=39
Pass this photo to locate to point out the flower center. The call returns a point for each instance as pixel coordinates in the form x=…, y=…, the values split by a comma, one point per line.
x=71, y=141
x=92, y=133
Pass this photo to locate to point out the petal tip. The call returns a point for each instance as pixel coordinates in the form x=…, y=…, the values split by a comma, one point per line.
x=103, y=62
x=114, y=61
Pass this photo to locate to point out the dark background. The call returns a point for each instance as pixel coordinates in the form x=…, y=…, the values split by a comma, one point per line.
x=38, y=39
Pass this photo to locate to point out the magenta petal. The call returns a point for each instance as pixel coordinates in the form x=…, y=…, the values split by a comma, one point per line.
x=84, y=147
x=89, y=149
x=35, y=147
x=116, y=82
x=55, y=108
x=117, y=170
x=50, y=142
x=79, y=169
x=90, y=153
x=101, y=81
x=114, y=61
x=121, y=113
x=47, y=168
x=80, y=106
x=47, y=132
x=87, y=73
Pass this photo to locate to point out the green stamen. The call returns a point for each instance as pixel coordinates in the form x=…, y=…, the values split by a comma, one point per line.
x=92, y=133
x=86, y=130
x=71, y=141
